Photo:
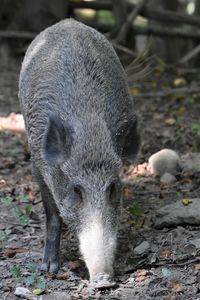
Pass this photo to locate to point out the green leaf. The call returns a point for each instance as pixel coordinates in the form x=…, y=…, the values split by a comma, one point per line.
x=195, y=128
x=136, y=210
x=16, y=271
x=105, y=17
x=28, y=210
x=23, y=199
x=8, y=231
x=41, y=285
x=32, y=267
x=166, y=272
x=7, y=201
x=3, y=235
x=17, y=212
x=190, y=100
x=23, y=220
x=31, y=279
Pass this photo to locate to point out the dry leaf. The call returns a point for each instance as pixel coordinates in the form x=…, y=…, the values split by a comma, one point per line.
x=178, y=287
x=141, y=275
x=180, y=112
x=179, y=82
x=37, y=292
x=197, y=267
x=170, y=121
x=127, y=193
x=62, y=276
x=134, y=91
x=51, y=275
x=72, y=265
x=185, y=202
x=165, y=253
x=170, y=297
x=11, y=252
x=14, y=122
x=29, y=177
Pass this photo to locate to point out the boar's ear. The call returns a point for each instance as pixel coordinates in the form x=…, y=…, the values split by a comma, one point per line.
x=128, y=141
x=58, y=140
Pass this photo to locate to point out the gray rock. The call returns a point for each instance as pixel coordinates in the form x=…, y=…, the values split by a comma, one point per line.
x=164, y=161
x=178, y=214
x=191, y=162
x=196, y=243
x=24, y=292
x=56, y=296
x=142, y=248
x=168, y=178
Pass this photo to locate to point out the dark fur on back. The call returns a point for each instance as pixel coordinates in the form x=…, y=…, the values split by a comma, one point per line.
x=72, y=70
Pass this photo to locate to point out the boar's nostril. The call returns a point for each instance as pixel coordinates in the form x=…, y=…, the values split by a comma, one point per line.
x=102, y=281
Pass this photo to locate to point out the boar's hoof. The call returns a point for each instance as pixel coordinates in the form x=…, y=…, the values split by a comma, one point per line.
x=102, y=281
x=51, y=267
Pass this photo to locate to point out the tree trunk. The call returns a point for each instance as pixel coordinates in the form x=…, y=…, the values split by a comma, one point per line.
x=168, y=49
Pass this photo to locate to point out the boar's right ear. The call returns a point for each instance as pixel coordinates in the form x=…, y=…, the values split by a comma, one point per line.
x=58, y=140
x=128, y=141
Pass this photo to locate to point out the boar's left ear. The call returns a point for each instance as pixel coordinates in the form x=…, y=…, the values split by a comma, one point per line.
x=58, y=140
x=128, y=141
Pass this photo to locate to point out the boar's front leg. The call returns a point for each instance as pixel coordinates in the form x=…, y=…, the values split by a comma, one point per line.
x=53, y=227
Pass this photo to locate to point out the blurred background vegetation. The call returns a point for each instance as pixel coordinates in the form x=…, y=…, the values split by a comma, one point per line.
x=173, y=26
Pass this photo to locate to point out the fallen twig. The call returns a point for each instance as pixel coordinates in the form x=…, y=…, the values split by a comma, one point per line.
x=167, y=32
x=15, y=34
x=169, y=92
x=144, y=264
x=124, y=49
x=191, y=54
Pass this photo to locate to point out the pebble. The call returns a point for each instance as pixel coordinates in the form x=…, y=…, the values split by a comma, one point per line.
x=24, y=292
x=142, y=248
x=56, y=296
x=167, y=178
x=164, y=161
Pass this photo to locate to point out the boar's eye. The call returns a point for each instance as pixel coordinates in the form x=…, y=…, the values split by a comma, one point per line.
x=114, y=190
x=78, y=191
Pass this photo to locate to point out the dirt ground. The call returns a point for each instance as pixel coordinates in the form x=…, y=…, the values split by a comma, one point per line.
x=169, y=268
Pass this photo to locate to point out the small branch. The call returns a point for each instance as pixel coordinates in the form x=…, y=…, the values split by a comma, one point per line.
x=14, y=34
x=191, y=54
x=167, y=32
x=123, y=49
x=153, y=30
x=170, y=16
x=130, y=19
x=185, y=90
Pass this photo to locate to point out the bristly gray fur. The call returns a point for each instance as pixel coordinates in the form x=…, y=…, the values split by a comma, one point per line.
x=78, y=111
x=82, y=74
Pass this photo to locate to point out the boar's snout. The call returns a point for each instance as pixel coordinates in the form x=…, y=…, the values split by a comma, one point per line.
x=98, y=245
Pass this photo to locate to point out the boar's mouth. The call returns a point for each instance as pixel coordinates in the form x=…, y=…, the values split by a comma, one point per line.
x=102, y=281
